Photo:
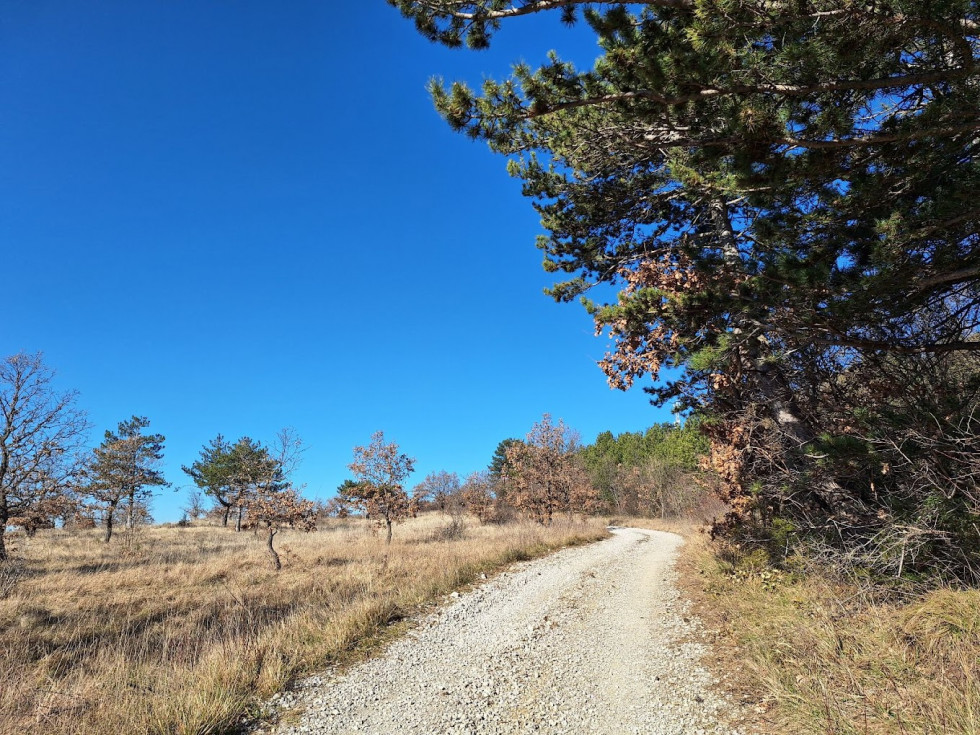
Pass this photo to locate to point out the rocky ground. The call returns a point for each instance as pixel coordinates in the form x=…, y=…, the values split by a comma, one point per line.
x=592, y=639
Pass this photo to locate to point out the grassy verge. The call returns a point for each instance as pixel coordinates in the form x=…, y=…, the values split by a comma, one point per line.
x=182, y=630
x=811, y=654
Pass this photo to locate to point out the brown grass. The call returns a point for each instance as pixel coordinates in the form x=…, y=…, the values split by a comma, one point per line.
x=811, y=654
x=184, y=630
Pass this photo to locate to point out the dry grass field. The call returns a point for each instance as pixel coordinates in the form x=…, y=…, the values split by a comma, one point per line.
x=815, y=655
x=186, y=630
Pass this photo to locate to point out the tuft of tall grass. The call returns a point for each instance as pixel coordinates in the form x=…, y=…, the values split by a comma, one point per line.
x=821, y=655
x=182, y=630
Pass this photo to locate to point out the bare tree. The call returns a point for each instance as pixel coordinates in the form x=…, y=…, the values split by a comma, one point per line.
x=194, y=509
x=437, y=488
x=380, y=471
x=40, y=433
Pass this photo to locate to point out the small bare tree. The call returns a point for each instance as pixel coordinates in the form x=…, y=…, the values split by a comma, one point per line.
x=478, y=496
x=194, y=509
x=437, y=488
x=442, y=490
x=380, y=471
x=274, y=504
x=275, y=508
x=40, y=432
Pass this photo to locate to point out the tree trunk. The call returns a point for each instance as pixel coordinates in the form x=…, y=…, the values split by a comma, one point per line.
x=224, y=521
x=4, y=517
x=388, y=524
x=130, y=511
x=775, y=393
x=272, y=552
x=108, y=523
x=238, y=522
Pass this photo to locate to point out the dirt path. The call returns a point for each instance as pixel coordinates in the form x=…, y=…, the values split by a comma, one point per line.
x=588, y=640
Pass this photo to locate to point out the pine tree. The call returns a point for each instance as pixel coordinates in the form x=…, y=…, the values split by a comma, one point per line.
x=784, y=198
x=123, y=470
x=212, y=474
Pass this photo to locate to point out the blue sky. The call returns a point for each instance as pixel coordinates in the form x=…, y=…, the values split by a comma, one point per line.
x=237, y=216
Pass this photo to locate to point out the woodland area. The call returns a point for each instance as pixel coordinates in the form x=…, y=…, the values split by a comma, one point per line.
x=784, y=198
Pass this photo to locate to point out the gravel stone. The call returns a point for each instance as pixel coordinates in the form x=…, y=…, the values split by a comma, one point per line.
x=594, y=639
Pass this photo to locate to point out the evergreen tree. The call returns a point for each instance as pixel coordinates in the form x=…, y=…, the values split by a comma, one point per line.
x=498, y=463
x=235, y=474
x=212, y=474
x=124, y=469
x=783, y=196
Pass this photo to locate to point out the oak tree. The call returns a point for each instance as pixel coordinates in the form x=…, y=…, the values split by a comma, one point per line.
x=439, y=488
x=546, y=477
x=479, y=496
x=380, y=470
x=280, y=507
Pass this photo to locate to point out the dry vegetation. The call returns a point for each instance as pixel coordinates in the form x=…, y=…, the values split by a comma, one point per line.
x=183, y=630
x=818, y=655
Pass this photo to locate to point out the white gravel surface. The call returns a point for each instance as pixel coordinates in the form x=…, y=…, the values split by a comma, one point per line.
x=593, y=639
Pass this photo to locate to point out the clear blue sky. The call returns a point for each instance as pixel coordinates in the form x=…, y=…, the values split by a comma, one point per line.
x=237, y=216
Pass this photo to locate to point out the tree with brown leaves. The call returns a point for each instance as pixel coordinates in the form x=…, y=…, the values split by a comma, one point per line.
x=380, y=471
x=545, y=476
x=479, y=496
x=273, y=502
x=276, y=508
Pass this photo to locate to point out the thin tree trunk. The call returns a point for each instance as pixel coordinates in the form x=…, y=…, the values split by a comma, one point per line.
x=388, y=523
x=224, y=521
x=238, y=522
x=108, y=523
x=4, y=508
x=272, y=552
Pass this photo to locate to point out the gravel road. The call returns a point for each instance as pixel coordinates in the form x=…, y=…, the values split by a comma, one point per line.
x=592, y=639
